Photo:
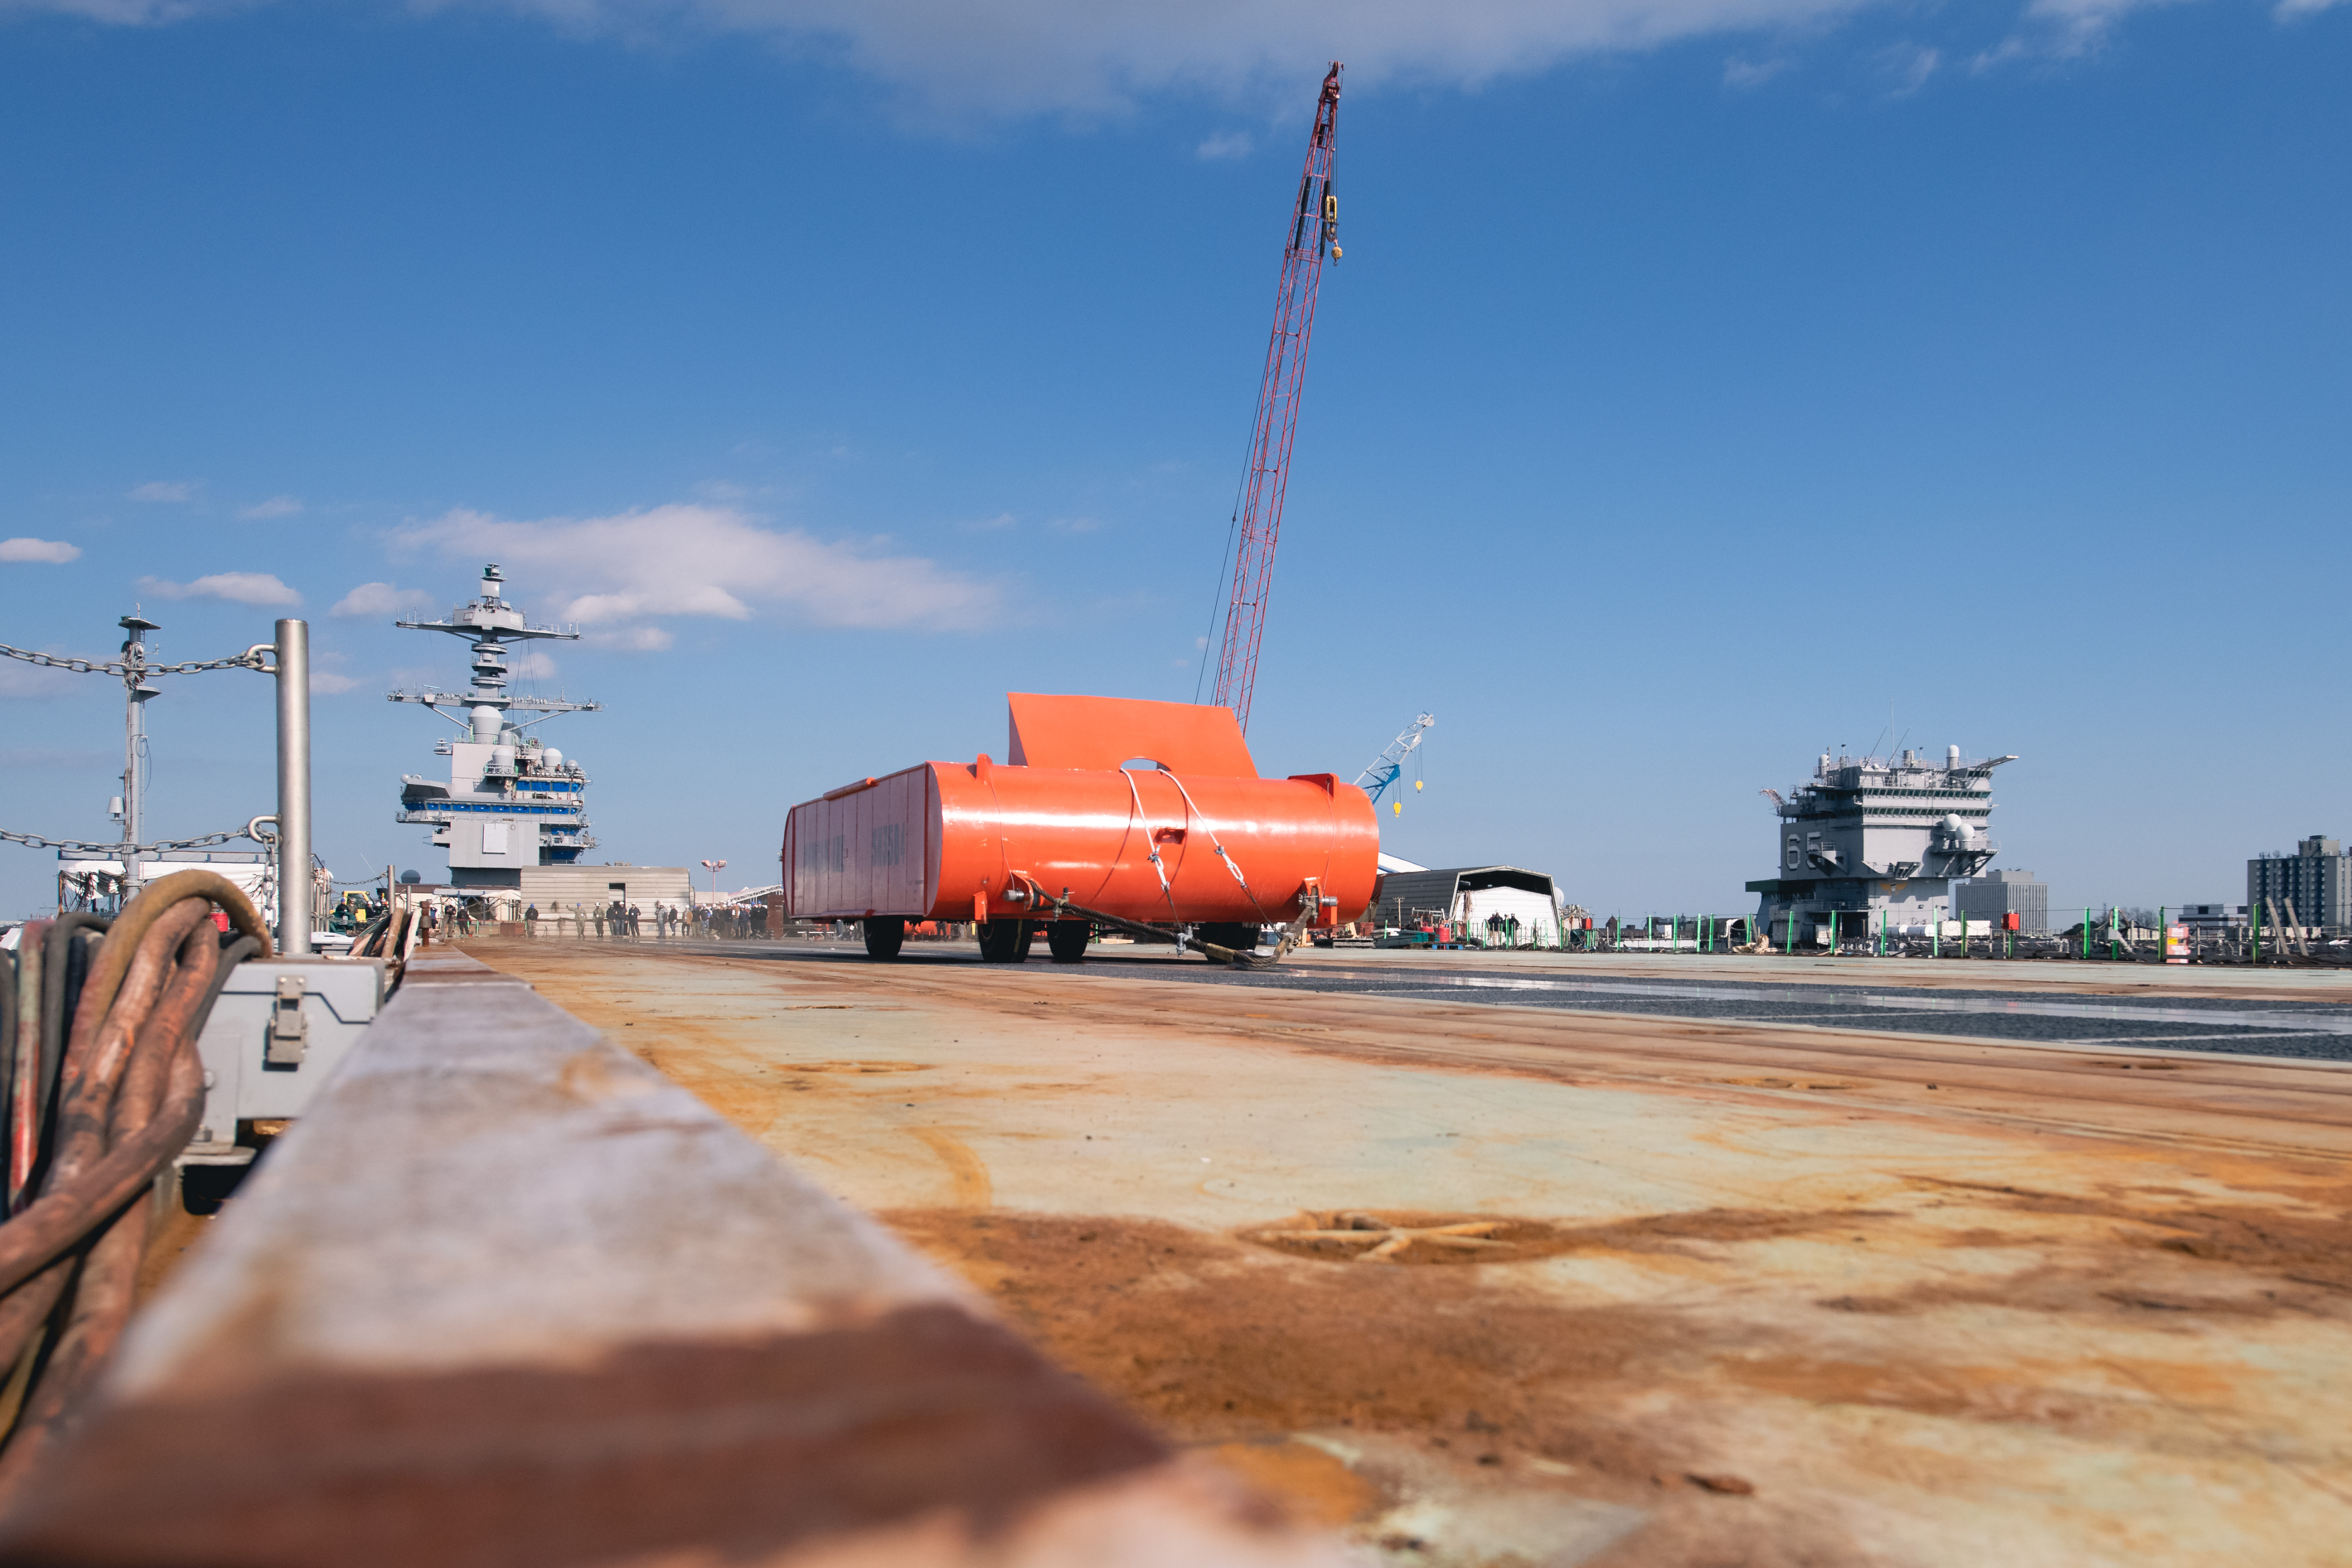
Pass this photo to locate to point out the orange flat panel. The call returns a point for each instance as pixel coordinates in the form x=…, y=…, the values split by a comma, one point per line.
x=1103, y=732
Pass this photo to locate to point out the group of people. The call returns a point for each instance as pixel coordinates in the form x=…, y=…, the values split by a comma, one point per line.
x=620, y=922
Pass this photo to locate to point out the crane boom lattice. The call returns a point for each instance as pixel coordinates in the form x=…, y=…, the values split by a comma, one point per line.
x=1313, y=233
x=1383, y=770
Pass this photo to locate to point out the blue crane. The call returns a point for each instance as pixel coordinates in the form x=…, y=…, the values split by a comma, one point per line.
x=1385, y=767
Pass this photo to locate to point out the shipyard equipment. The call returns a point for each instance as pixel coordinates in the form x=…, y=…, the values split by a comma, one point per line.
x=279, y=1028
x=1313, y=233
x=1107, y=811
x=1384, y=770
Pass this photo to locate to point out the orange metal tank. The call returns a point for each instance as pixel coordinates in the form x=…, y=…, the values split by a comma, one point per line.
x=956, y=841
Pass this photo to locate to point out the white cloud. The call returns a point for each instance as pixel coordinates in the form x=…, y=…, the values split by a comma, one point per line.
x=237, y=587
x=21, y=681
x=531, y=666
x=2290, y=9
x=1098, y=57
x=1912, y=65
x=2082, y=25
x=1737, y=72
x=1092, y=57
x=1086, y=57
x=276, y=507
x=1225, y=144
x=56, y=552
x=632, y=640
x=616, y=573
x=165, y=490
x=382, y=599
x=2008, y=49
x=330, y=685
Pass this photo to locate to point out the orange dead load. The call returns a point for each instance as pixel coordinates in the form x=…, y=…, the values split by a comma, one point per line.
x=1095, y=788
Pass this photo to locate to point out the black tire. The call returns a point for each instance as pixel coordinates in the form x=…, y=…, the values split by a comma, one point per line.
x=1067, y=940
x=1028, y=935
x=884, y=935
x=1231, y=934
x=1004, y=941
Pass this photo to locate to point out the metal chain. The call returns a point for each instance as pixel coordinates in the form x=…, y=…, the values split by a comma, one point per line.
x=38, y=843
x=116, y=667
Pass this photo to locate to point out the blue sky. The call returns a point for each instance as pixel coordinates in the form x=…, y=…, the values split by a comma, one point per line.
x=1704, y=384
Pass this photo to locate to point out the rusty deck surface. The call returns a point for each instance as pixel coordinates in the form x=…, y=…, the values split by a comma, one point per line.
x=1651, y=1291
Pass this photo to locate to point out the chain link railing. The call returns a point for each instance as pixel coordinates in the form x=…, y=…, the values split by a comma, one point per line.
x=36, y=841
x=251, y=659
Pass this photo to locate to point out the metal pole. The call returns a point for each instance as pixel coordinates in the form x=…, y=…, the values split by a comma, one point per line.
x=295, y=895
x=135, y=717
x=136, y=691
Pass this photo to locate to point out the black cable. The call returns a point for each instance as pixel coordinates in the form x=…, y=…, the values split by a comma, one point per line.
x=7, y=1050
x=60, y=964
x=65, y=965
x=235, y=948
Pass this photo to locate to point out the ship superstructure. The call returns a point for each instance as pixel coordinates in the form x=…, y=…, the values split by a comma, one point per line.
x=1868, y=839
x=511, y=802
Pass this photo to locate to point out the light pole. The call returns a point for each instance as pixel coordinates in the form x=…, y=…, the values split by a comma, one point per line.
x=714, y=868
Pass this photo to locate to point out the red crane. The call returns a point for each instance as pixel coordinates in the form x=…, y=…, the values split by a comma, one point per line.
x=1314, y=234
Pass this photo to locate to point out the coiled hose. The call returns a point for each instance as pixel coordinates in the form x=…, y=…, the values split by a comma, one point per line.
x=105, y=1088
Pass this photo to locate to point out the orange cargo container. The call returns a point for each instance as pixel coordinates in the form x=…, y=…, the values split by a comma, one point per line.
x=1094, y=787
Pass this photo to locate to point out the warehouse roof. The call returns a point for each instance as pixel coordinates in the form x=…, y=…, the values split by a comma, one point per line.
x=1402, y=892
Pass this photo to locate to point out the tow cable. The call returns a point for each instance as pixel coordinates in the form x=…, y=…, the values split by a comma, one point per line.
x=1217, y=953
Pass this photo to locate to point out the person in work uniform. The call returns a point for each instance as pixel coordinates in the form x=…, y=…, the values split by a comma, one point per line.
x=530, y=920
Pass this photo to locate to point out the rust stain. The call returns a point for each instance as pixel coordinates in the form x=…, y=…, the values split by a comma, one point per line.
x=972, y=1187
x=2050, y=1295
x=671, y=1452
x=1317, y=1485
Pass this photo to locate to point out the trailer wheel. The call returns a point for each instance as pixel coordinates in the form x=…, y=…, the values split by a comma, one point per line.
x=884, y=935
x=1004, y=941
x=1067, y=940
